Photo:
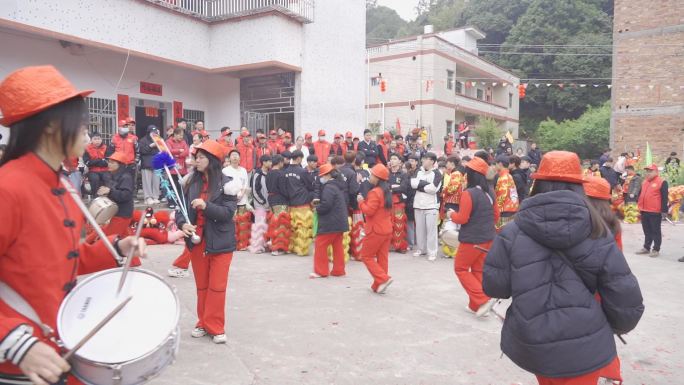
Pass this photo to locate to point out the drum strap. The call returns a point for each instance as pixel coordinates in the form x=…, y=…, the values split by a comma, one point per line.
x=19, y=304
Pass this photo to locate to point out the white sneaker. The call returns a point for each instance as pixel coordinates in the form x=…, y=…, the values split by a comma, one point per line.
x=314, y=275
x=432, y=258
x=469, y=310
x=155, y=201
x=418, y=253
x=382, y=288
x=277, y=252
x=198, y=333
x=177, y=272
x=220, y=339
x=149, y=201
x=486, y=308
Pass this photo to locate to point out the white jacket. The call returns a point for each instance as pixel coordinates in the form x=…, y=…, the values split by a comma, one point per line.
x=426, y=199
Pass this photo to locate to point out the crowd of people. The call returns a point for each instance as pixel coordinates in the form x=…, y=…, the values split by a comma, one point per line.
x=535, y=228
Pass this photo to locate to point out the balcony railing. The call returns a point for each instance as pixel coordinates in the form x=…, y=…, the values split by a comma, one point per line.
x=219, y=10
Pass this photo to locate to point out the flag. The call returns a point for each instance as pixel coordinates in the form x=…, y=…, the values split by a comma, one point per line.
x=398, y=127
x=649, y=156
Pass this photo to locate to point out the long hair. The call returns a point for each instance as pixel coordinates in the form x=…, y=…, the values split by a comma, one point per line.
x=598, y=226
x=386, y=192
x=476, y=179
x=602, y=206
x=213, y=176
x=25, y=134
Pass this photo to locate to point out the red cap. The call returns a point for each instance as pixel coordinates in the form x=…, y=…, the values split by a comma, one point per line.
x=119, y=157
x=123, y=122
x=325, y=169
x=597, y=187
x=31, y=90
x=214, y=148
x=273, y=132
x=380, y=171
x=562, y=166
x=131, y=120
x=287, y=135
x=245, y=133
x=387, y=136
x=204, y=133
x=338, y=136
x=478, y=165
x=652, y=167
x=348, y=134
x=308, y=135
x=321, y=132
x=261, y=136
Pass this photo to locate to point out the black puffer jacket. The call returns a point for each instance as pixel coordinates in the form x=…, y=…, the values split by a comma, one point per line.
x=555, y=327
x=332, y=211
x=219, y=228
x=121, y=192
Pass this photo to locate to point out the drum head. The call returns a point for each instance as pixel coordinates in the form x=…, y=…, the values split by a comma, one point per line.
x=144, y=324
x=103, y=210
x=450, y=238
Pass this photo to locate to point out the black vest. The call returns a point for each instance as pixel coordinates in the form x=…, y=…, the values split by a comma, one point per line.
x=480, y=226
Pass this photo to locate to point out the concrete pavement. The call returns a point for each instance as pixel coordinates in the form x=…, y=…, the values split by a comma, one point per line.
x=284, y=328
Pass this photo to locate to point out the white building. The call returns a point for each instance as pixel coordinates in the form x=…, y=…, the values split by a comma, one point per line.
x=295, y=64
x=436, y=81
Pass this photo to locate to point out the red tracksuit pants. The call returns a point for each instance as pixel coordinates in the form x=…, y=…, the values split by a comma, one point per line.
x=321, y=264
x=117, y=226
x=468, y=264
x=375, y=255
x=183, y=260
x=211, y=279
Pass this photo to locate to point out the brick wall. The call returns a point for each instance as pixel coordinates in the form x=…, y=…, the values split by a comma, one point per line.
x=649, y=48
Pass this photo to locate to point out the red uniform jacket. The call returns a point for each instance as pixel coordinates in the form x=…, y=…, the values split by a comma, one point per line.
x=338, y=149
x=652, y=198
x=322, y=151
x=96, y=156
x=449, y=147
x=40, y=254
x=127, y=145
x=378, y=218
x=180, y=151
x=262, y=151
x=246, y=156
x=275, y=147
x=227, y=143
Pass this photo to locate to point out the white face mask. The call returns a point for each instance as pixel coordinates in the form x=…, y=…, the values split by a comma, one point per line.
x=123, y=130
x=324, y=180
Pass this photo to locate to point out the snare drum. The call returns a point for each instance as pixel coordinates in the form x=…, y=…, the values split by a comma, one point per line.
x=449, y=234
x=137, y=344
x=103, y=210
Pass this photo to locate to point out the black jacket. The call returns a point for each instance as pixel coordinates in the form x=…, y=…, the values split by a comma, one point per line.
x=520, y=179
x=610, y=175
x=349, y=175
x=332, y=211
x=535, y=156
x=370, y=151
x=297, y=192
x=146, y=152
x=275, y=184
x=399, y=183
x=554, y=326
x=121, y=192
x=219, y=229
x=363, y=178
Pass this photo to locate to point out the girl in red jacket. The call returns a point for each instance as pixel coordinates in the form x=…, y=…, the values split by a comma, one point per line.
x=377, y=209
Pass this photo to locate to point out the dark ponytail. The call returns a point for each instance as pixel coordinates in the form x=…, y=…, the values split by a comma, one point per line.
x=386, y=192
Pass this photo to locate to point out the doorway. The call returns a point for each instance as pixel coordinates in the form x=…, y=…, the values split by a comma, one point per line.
x=145, y=116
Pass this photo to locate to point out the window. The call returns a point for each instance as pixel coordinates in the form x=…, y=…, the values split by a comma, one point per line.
x=102, y=117
x=510, y=100
x=488, y=94
x=459, y=87
x=450, y=80
x=480, y=93
x=450, y=126
x=192, y=116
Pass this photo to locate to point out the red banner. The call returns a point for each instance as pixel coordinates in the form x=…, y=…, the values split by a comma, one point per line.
x=177, y=112
x=123, y=107
x=150, y=88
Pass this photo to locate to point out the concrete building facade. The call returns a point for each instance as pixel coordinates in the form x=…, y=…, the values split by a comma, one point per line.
x=648, y=72
x=436, y=81
x=261, y=64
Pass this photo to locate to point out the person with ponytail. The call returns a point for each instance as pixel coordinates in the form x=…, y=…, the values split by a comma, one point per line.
x=476, y=215
x=598, y=192
x=211, y=198
x=552, y=259
x=377, y=208
x=41, y=254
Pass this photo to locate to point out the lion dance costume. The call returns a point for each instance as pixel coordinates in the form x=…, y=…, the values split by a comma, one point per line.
x=675, y=195
x=301, y=220
x=279, y=228
x=243, y=227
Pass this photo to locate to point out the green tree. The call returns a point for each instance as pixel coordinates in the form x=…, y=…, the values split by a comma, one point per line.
x=488, y=133
x=382, y=23
x=587, y=135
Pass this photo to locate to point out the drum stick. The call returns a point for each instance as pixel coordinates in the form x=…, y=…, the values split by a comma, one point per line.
x=481, y=249
x=97, y=328
x=129, y=257
x=91, y=219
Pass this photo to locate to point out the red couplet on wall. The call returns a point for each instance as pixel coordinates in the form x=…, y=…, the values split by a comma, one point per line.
x=150, y=88
x=123, y=105
x=177, y=112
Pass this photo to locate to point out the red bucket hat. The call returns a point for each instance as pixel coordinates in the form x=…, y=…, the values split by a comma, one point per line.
x=325, y=169
x=119, y=157
x=478, y=165
x=214, y=148
x=380, y=171
x=31, y=90
x=597, y=187
x=561, y=166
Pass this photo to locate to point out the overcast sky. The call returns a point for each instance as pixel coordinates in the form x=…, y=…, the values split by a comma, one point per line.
x=405, y=8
